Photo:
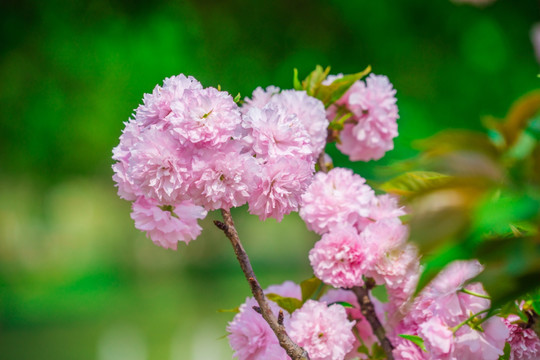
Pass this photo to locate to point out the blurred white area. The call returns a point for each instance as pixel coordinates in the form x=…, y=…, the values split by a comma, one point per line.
x=122, y=342
x=207, y=343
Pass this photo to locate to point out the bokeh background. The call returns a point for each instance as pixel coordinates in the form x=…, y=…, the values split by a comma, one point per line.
x=77, y=281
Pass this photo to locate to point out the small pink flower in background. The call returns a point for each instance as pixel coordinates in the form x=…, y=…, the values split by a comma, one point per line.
x=339, y=258
x=311, y=113
x=167, y=225
x=453, y=277
x=337, y=198
x=157, y=105
x=206, y=117
x=279, y=187
x=251, y=337
x=323, y=331
x=287, y=289
x=479, y=3
x=386, y=206
x=373, y=104
x=525, y=343
x=535, y=39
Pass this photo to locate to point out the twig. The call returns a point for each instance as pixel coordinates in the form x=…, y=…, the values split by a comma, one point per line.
x=368, y=310
x=292, y=349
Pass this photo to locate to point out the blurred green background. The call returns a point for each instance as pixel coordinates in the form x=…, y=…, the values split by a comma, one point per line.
x=77, y=281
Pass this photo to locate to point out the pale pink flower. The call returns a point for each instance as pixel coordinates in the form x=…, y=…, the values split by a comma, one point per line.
x=524, y=342
x=272, y=133
x=167, y=225
x=454, y=276
x=279, y=187
x=407, y=350
x=336, y=198
x=127, y=189
x=487, y=344
x=287, y=289
x=373, y=104
x=323, y=331
x=438, y=338
x=535, y=39
x=157, y=105
x=222, y=179
x=206, y=117
x=311, y=113
x=379, y=238
x=251, y=337
x=339, y=258
x=478, y=3
x=259, y=98
x=160, y=167
x=386, y=206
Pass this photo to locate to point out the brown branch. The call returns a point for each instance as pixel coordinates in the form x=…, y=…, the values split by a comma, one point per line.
x=368, y=310
x=292, y=349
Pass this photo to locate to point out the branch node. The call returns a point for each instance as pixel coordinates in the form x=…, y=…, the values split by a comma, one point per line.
x=221, y=225
x=280, y=317
x=257, y=309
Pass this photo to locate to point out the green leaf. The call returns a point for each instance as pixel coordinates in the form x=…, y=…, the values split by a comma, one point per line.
x=342, y=303
x=287, y=303
x=507, y=350
x=309, y=287
x=417, y=340
x=377, y=352
x=296, y=83
x=314, y=80
x=535, y=298
x=329, y=94
x=414, y=182
x=380, y=293
x=235, y=310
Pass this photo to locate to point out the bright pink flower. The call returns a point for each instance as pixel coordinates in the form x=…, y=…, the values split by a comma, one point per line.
x=438, y=338
x=222, y=179
x=279, y=187
x=336, y=198
x=525, y=343
x=323, y=331
x=339, y=258
x=160, y=167
x=375, y=114
x=311, y=113
x=273, y=132
x=157, y=105
x=487, y=344
x=251, y=337
x=206, y=117
x=287, y=289
x=167, y=225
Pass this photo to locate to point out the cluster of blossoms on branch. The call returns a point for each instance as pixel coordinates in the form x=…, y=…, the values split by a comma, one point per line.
x=189, y=150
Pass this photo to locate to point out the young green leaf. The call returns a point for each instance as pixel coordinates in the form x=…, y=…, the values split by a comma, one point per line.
x=414, y=182
x=309, y=287
x=417, y=340
x=296, y=83
x=287, y=303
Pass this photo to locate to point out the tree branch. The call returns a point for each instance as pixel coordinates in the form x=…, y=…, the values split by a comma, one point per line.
x=292, y=349
x=368, y=310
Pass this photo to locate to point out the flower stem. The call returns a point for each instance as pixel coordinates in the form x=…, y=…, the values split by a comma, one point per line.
x=292, y=349
x=458, y=326
x=476, y=294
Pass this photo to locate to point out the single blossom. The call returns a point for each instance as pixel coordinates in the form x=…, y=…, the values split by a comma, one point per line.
x=251, y=337
x=524, y=342
x=323, y=331
x=336, y=198
x=438, y=338
x=487, y=344
x=279, y=187
x=287, y=289
x=370, y=132
x=167, y=225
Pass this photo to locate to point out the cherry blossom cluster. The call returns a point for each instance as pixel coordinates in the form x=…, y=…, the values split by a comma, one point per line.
x=188, y=150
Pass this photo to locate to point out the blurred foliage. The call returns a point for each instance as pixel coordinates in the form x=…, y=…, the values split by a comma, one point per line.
x=78, y=281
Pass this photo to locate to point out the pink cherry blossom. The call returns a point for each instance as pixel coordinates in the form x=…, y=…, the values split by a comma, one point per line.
x=336, y=198
x=487, y=344
x=323, y=331
x=524, y=342
x=259, y=98
x=127, y=189
x=279, y=187
x=373, y=104
x=167, y=225
x=251, y=337
x=339, y=258
x=287, y=289
x=157, y=105
x=206, y=117
x=438, y=338
x=386, y=206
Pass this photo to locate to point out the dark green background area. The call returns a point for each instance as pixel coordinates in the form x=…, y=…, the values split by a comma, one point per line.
x=77, y=281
